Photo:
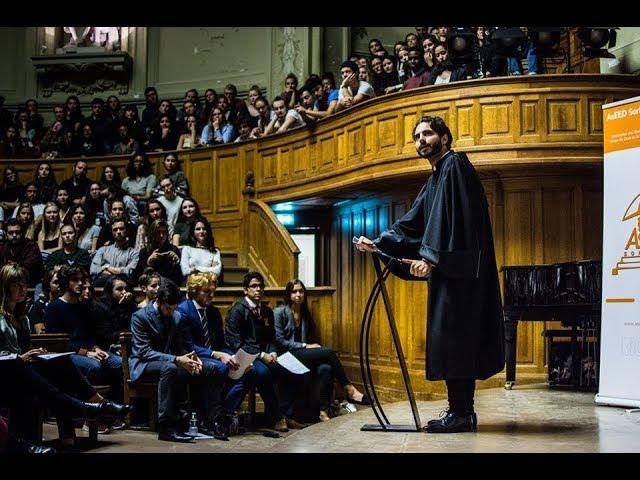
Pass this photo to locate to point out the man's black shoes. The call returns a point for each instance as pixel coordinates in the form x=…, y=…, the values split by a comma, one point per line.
x=216, y=430
x=172, y=435
x=105, y=410
x=452, y=423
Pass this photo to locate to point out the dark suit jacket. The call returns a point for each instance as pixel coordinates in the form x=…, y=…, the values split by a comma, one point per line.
x=244, y=330
x=192, y=329
x=153, y=339
x=285, y=329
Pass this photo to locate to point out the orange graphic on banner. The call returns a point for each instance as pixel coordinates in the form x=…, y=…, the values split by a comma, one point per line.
x=621, y=127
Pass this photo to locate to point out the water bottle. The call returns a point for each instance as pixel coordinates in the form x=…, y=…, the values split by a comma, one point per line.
x=193, y=425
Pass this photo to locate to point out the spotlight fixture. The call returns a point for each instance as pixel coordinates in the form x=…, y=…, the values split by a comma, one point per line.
x=509, y=40
x=597, y=40
x=460, y=44
x=546, y=40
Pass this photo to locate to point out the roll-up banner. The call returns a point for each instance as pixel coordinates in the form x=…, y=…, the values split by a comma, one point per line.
x=620, y=336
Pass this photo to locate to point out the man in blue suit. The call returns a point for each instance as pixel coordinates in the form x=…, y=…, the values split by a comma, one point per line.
x=159, y=353
x=203, y=331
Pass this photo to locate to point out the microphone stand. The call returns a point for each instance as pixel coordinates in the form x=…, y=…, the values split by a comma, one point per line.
x=365, y=366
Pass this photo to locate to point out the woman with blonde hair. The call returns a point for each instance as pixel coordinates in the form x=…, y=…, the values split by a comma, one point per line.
x=49, y=238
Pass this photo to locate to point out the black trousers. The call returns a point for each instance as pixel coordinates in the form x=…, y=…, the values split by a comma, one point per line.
x=325, y=364
x=172, y=378
x=461, y=393
x=25, y=387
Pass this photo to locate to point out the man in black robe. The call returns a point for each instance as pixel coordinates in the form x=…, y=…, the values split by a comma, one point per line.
x=446, y=239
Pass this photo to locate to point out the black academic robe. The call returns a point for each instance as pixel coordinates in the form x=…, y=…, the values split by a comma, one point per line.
x=449, y=226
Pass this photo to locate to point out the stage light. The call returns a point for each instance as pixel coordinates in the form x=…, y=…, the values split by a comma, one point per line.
x=596, y=41
x=545, y=39
x=510, y=41
x=460, y=44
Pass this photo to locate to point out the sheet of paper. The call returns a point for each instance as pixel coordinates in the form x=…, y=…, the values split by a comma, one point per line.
x=243, y=359
x=291, y=363
x=49, y=356
x=11, y=356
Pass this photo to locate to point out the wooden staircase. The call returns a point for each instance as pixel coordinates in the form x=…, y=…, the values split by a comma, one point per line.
x=232, y=274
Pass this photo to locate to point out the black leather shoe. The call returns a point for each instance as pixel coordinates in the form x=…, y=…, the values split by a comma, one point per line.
x=474, y=419
x=174, y=436
x=105, y=410
x=116, y=409
x=216, y=430
x=451, y=423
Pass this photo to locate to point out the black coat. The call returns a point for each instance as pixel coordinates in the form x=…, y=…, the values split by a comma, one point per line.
x=245, y=330
x=449, y=226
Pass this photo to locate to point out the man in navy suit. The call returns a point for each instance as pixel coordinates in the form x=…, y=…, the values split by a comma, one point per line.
x=159, y=353
x=203, y=330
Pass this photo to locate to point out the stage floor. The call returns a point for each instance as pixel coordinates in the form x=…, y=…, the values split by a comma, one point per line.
x=528, y=419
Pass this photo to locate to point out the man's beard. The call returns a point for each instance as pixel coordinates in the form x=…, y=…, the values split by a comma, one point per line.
x=431, y=150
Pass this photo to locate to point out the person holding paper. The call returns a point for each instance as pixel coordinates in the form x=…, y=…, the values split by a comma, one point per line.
x=60, y=372
x=203, y=330
x=294, y=327
x=249, y=325
x=159, y=353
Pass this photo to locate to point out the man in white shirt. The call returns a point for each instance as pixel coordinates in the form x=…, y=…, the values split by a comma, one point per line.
x=284, y=120
x=352, y=91
x=172, y=202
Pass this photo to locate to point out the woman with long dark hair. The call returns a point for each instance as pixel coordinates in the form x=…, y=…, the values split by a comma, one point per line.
x=140, y=180
x=94, y=204
x=155, y=211
x=159, y=253
x=50, y=291
x=172, y=167
x=11, y=190
x=294, y=327
x=189, y=211
x=87, y=231
x=112, y=312
x=45, y=179
x=201, y=255
x=110, y=176
x=61, y=199
x=27, y=218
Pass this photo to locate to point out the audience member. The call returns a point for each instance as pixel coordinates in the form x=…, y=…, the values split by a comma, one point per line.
x=114, y=259
x=201, y=254
x=171, y=164
x=352, y=91
x=70, y=253
x=149, y=282
x=78, y=184
x=45, y=180
x=18, y=250
x=171, y=201
x=160, y=254
x=112, y=313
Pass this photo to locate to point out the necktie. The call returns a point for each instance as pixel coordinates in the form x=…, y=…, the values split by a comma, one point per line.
x=205, y=328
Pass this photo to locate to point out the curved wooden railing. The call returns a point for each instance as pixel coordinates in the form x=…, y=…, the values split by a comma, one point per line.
x=270, y=249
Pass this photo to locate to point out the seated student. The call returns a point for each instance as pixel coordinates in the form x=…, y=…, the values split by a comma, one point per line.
x=112, y=313
x=15, y=338
x=50, y=291
x=24, y=252
x=115, y=193
x=294, y=326
x=218, y=130
x=284, y=119
x=69, y=254
x=25, y=216
x=117, y=209
x=155, y=211
x=189, y=211
x=444, y=70
x=62, y=200
x=69, y=314
x=352, y=90
x=140, y=180
x=307, y=101
x=158, y=353
x=113, y=259
x=60, y=391
x=172, y=168
x=201, y=254
x=149, y=282
x=190, y=139
x=202, y=324
x=159, y=254
x=87, y=231
x=249, y=325
x=32, y=197
x=170, y=199
x=245, y=131
x=49, y=234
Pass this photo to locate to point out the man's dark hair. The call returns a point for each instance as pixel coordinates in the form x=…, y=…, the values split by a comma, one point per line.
x=232, y=87
x=118, y=219
x=306, y=88
x=313, y=83
x=97, y=101
x=150, y=89
x=351, y=65
x=12, y=222
x=64, y=275
x=331, y=77
x=250, y=276
x=147, y=276
x=437, y=125
x=277, y=99
x=165, y=177
x=168, y=293
x=262, y=99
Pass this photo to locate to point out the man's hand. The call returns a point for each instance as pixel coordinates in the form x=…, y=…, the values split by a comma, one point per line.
x=365, y=245
x=418, y=268
x=227, y=360
x=32, y=355
x=269, y=359
x=313, y=345
x=98, y=354
x=189, y=364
